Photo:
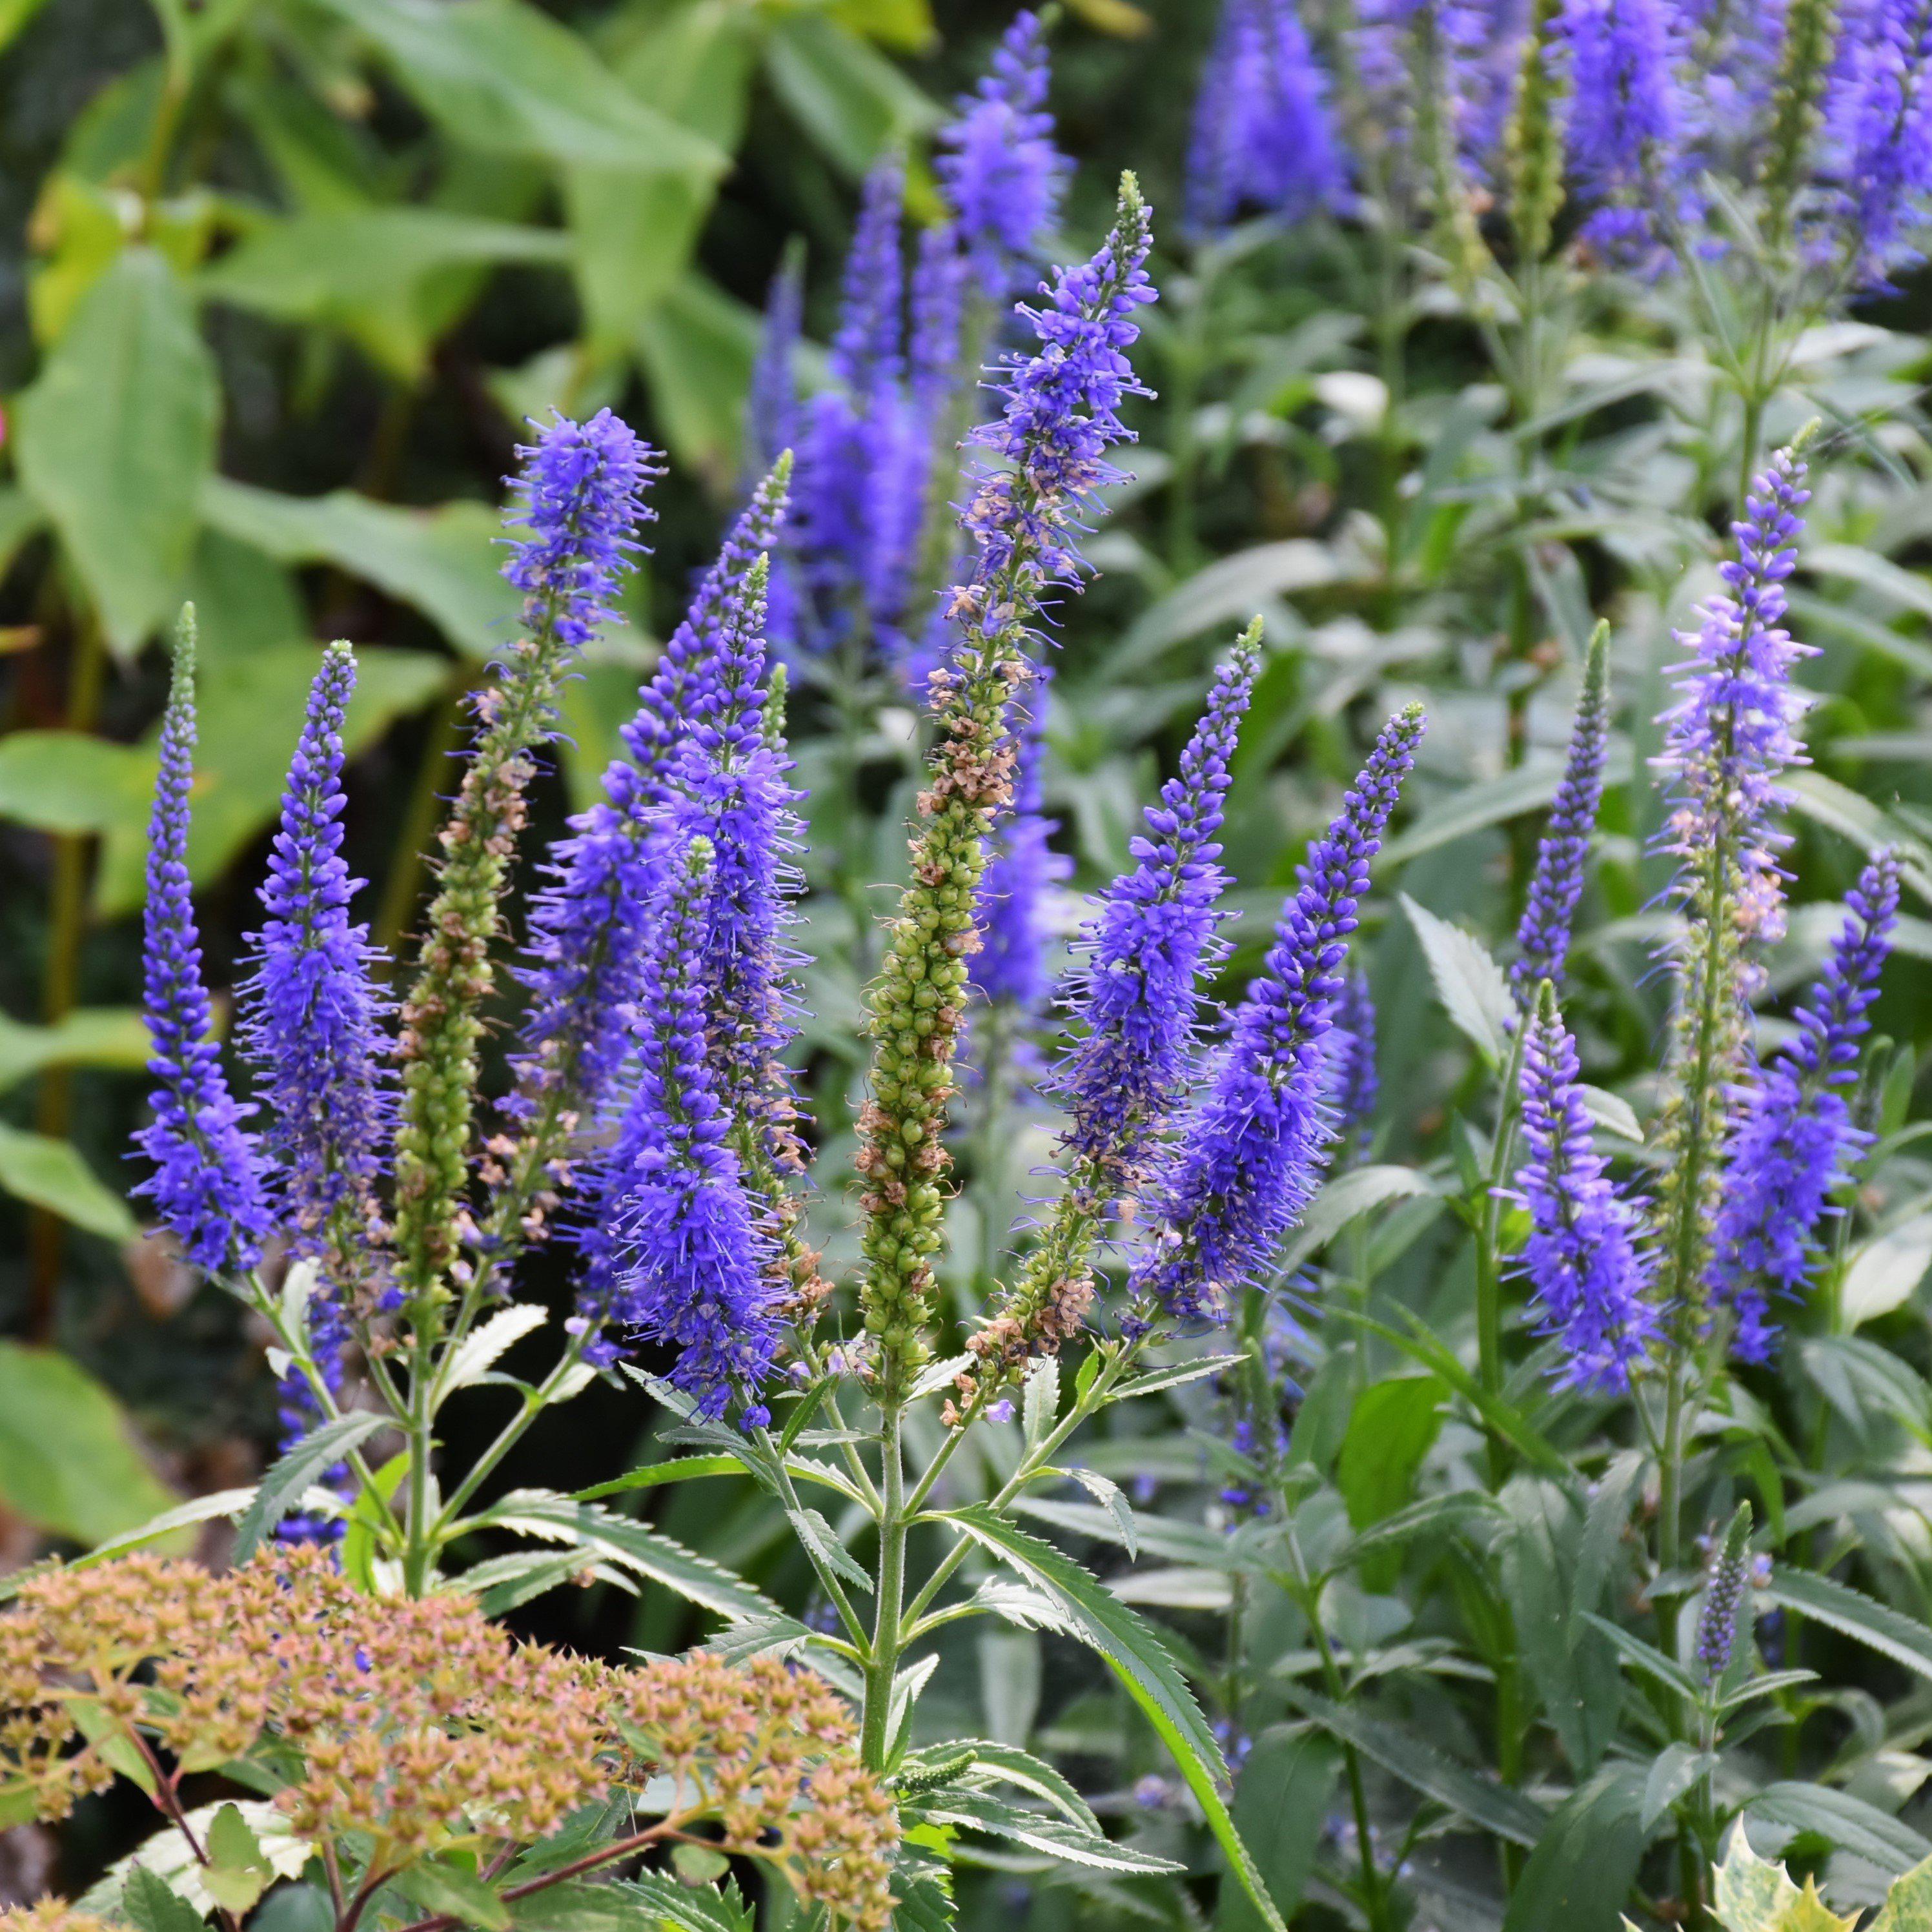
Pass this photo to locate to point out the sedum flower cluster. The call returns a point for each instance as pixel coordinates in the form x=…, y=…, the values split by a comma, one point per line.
x=398, y=1731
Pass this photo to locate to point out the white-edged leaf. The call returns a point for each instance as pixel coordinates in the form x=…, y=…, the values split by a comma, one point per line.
x=1472, y=986
x=168, y=1857
x=981, y=1811
x=1040, y=1403
x=480, y=1350
x=1112, y=1498
x=1885, y=1270
x=1155, y=1379
x=938, y=1376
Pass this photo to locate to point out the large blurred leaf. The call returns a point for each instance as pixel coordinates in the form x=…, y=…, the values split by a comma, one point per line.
x=251, y=717
x=851, y=100
x=116, y=437
x=632, y=233
x=114, y=1037
x=51, y=1174
x=446, y=563
x=68, y=1464
x=68, y=781
x=1582, y=1868
x=1282, y=1806
x=696, y=349
x=361, y=270
x=500, y=74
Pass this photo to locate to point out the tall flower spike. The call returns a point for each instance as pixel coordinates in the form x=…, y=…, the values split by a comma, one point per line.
x=732, y=790
x=1354, y=1084
x=771, y=406
x=313, y=1021
x=1878, y=142
x=206, y=1187
x=1264, y=137
x=1061, y=417
x=578, y=501
x=1556, y=885
x=1021, y=870
x=1001, y=175
x=674, y=1254
x=589, y=922
x=1135, y=994
x=1790, y=1149
x=1625, y=124
x=1132, y=1000
x=1583, y=1259
x=1253, y=1151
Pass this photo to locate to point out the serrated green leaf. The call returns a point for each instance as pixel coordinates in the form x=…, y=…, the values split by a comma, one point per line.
x=439, y=1886
x=281, y=1490
x=1472, y=987
x=1875, y=1625
x=1099, y=1619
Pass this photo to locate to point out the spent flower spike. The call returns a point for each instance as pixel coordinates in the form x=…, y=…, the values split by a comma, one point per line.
x=1252, y=1152
x=1584, y=1264
x=206, y=1188
x=1792, y=1143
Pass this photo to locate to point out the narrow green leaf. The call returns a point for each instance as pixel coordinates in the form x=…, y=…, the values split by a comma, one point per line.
x=284, y=1487
x=1877, y=1625
x=1469, y=1794
x=1099, y=1619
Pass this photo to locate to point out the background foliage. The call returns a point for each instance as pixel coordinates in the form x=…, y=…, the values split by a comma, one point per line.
x=286, y=277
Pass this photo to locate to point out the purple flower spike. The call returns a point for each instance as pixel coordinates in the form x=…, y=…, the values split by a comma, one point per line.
x=579, y=496
x=1011, y=966
x=313, y=1017
x=1582, y=1257
x=1556, y=885
x=1001, y=175
x=673, y=1249
x=588, y=921
x=1264, y=137
x=207, y=1186
x=1253, y=1152
x=1354, y=1085
x=1626, y=133
x=1062, y=414
x=1878, y=135
x=1732, y=733
x=1134, y=995
x=1791, y=1148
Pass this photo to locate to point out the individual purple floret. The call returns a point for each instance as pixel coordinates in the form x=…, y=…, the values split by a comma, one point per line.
x=206, y=1187
x=1582, y=1257
x=587, y=922
x=1625, y=131
x=1556, y=885
x=313, y=1022
x=1353, y=1084
x=1791, y=1147
x=1001, y=175
x=673, y=1251
x=579, y=496
x=1014, y=914
x=1732, y=733
x=1877, y=137
x=1134, y=995
x=1264, y=137
x=1253, y=1152
x=1061, y=417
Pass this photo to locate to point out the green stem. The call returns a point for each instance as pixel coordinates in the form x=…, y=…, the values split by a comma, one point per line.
x=882, y=1662
x=1489, y=1260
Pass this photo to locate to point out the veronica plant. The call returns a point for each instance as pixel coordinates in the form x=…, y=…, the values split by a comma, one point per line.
x=653, y=1130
